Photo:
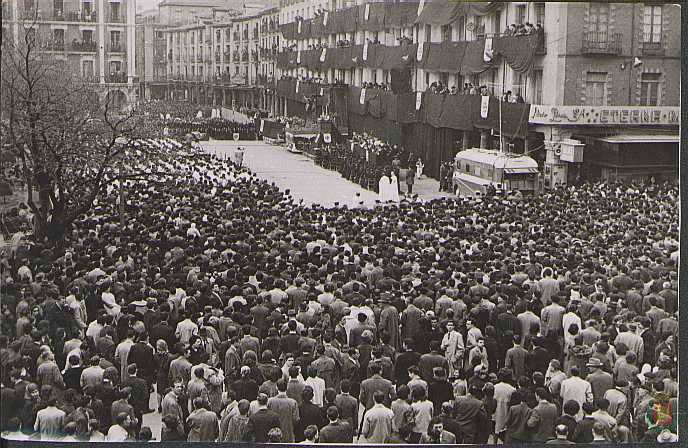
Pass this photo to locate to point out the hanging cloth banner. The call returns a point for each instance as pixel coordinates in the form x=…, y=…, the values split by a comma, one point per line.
x=365, y=51
x=488, y=53
x=419, y=52
x=327, y=13
x=484, y=106
x=262, y=126
x=298, y=57
x=297, y=86
x=323, y=55
x=421, y=5
x=361, y=99
x=419, y=99
x=298, y=27
x=367, y=12
x=322, y=92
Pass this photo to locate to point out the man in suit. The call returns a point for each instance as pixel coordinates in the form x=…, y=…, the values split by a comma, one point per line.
x=337, y=431
x=263, y=420
x=356, y=337
x=141, y=354
x=140, y=395
x=429, y=361
x=600, y=381
x=171, y=406
x=373, y=384
x=287, y=409
x=517, y=430
x=404, y=360
x=203, y=424
x=347, y=405
x=516, y=358
x=544, y=417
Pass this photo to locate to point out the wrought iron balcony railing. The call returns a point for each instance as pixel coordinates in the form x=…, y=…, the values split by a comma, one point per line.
x=601, y=42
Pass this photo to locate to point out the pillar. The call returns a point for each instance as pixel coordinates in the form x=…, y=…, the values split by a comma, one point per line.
x=101, y=40
x=466, y=140
x=131, y=41
x=484, y=139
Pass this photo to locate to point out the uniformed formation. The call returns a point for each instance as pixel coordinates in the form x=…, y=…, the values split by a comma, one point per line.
x=215, y=128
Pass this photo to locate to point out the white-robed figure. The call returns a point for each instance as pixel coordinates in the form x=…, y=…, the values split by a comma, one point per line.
x=419, y=168
x=388, y=188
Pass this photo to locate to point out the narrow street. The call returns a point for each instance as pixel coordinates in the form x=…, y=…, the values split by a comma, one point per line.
x=304, y=178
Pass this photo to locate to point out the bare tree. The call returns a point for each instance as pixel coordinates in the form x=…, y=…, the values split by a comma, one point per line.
x=69, y=147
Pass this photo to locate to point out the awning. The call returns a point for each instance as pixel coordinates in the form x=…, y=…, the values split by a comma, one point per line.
x=520, y=170
x=639, y=138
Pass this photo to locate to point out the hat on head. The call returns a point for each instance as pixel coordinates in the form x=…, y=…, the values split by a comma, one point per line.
x=594, y=362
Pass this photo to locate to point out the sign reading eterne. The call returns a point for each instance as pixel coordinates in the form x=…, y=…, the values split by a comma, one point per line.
x=605, y=115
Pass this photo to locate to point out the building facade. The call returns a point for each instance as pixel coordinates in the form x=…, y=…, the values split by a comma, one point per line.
x=96, y=38
x=600, y=70
x=224, y=59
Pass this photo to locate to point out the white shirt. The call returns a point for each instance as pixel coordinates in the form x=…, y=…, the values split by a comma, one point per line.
x=318, y=385
x=117, y=434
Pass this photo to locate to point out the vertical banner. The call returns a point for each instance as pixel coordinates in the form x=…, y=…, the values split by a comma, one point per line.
x=419, y=52
x=262, y=126
x=298, y=25
x=484, y=106
x=323, y=55
x=297, y=86
x=322, y=91
x=419, y=100
x=365, y=51
x=361, y=99
x=488, y=53
x=298, y=57
x=327, y=14
x=367, y=11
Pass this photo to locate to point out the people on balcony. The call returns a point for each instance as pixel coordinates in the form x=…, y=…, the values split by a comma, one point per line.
x=523, y=29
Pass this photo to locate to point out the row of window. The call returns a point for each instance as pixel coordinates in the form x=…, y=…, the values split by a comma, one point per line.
x=596, y=89
x=598, y=21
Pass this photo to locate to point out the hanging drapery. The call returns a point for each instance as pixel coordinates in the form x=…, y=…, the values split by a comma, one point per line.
x=473, y=58
x=518, y=51
x=444, y=12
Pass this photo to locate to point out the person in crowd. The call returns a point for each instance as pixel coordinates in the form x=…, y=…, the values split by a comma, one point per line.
x=249, y=287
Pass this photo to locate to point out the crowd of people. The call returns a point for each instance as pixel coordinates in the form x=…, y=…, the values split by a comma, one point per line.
x=241, y=314
x=216, y=128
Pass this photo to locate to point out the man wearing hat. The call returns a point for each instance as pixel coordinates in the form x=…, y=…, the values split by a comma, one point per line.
x=600, y=381
x=389, y=321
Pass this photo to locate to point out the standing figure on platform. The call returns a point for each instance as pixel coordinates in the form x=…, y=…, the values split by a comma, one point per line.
x=394, y=186
x=419, y=168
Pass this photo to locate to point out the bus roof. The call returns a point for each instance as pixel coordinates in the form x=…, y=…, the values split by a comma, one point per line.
x=496, y=159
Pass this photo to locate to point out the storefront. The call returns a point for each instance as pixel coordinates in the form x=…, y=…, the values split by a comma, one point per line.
x=620, y=142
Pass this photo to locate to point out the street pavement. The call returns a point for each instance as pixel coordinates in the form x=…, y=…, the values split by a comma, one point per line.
x=304, y=178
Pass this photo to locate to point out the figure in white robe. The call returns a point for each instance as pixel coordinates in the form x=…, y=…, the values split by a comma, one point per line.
x=394, y=187
x=419, y=168
x=384, y=188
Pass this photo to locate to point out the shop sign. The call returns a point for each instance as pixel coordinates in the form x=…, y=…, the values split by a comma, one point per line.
x=605, y=115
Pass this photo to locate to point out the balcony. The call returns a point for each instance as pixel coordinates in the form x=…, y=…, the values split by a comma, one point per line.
x=199, y=58
x=91, y=79
x=116, y=78
x=652, y=45
x=84, y=47
x=595, y=42
x=225, y=58
x=55, y=45
x=116, y=18
x=77, y=16
x=117, y=48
